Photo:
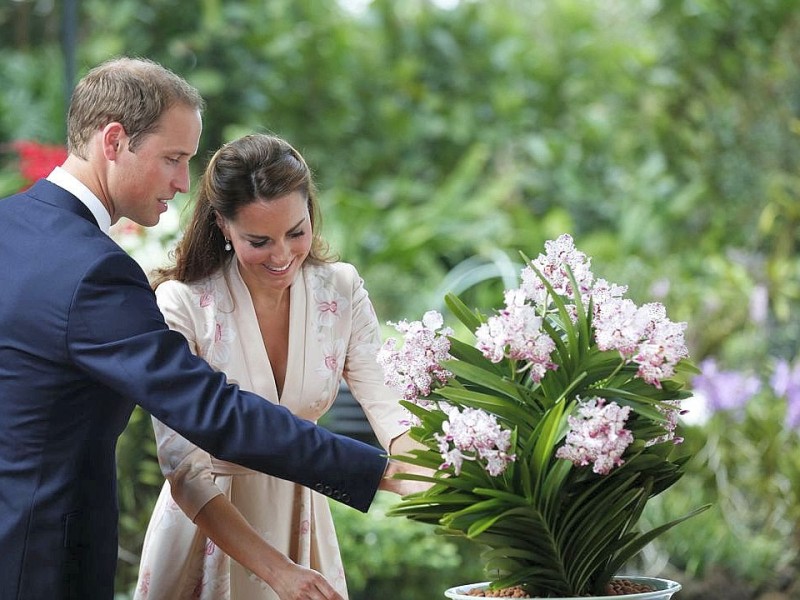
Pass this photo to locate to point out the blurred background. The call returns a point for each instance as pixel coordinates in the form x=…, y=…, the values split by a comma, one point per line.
x=447, y=137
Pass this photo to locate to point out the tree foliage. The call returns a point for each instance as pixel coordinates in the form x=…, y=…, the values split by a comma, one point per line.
x=662, y=135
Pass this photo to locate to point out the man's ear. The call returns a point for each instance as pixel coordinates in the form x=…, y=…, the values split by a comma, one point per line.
x=113, y=140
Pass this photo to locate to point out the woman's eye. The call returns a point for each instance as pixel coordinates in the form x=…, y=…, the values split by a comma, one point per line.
x=297, y=234
x=257, y=244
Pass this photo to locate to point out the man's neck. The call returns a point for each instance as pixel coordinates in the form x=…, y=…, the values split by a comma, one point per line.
x=84, y=171
x=67, y=180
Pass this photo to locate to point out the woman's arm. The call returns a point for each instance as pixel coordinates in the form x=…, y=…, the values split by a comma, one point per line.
x=223, y=524
x=402, y=444
x=380, y=404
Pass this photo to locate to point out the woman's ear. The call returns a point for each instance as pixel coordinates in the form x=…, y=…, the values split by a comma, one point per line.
x=221, y=224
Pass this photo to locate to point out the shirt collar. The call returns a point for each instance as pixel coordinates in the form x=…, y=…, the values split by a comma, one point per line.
x=69, y=182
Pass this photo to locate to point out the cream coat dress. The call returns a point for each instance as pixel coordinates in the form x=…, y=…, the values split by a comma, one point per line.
x=333, y=334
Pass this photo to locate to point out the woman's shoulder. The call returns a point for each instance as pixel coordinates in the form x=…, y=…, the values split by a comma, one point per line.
x=331, y=270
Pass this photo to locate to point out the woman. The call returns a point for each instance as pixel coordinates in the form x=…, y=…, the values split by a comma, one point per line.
x=255, y=293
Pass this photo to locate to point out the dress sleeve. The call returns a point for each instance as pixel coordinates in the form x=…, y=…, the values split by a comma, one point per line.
x=184, y=465
x=362, y=372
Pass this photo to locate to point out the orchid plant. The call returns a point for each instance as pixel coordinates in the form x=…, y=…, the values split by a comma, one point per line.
x=546, y=436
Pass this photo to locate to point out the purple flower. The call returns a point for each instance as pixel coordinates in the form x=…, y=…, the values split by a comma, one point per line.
x=641, y=334
x=516, y=332
x=414, y=369
x=786, y=382
x=724, y=390
x=559, y=254
x=597, y=435
x=473, y=434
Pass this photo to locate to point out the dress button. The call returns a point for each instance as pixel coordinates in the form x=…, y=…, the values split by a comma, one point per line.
x=346, y=498
x=327, y=490
x=319, y=487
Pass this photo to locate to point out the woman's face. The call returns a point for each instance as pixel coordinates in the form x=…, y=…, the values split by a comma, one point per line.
x=271, y=239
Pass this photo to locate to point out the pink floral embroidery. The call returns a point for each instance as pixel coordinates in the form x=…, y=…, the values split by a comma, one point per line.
x=144, y=584
x=198, y=590
x=210, y=547
x=219, y=351
x=329, y=305
x=206, y=299
x=305, y=527
x=333, y=352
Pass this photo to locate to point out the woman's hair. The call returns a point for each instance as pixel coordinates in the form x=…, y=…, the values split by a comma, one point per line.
x=253, y=168
x=134, y=92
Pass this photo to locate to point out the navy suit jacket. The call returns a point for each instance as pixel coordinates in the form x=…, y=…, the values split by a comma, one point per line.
x=82, y=342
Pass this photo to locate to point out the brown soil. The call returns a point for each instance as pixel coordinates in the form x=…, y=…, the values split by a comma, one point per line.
x=512, y=592
x=618, y=587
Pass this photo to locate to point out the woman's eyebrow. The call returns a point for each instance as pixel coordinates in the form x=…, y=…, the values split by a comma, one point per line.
x=253, y=236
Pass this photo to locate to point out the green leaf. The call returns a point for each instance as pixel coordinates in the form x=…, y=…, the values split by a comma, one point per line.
x=629, y=550
x=471, y=355
x=502, y=495
x=510, y=412
x=547, y=435
x=483, y=377
x=468, y=317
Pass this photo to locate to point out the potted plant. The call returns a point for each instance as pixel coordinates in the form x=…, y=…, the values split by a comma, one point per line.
x=549, y=431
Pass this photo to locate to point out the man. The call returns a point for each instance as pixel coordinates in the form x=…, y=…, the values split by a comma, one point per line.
x=82, y=342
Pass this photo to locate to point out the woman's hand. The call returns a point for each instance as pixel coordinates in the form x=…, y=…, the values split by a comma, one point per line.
x=402, y=444
x=227, y=528
x=294, y=582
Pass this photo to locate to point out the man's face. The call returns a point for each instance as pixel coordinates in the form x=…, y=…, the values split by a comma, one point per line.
x=140, y=183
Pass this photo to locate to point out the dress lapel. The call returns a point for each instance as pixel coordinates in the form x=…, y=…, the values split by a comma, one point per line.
x=299, y=347
x=252, y=347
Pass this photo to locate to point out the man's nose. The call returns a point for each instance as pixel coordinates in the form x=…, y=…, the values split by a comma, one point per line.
x=182, y=179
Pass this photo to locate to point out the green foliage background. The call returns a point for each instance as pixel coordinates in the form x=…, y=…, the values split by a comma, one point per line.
x=663, y=135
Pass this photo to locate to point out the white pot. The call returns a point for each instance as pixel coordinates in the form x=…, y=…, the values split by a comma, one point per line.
x=663, y=589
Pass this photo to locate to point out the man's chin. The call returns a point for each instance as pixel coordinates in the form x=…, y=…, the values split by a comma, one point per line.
x=150, y=221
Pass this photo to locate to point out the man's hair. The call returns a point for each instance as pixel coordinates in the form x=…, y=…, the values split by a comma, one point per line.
x=134, y=92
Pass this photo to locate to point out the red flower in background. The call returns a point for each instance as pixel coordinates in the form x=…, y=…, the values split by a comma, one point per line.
x=37, y=160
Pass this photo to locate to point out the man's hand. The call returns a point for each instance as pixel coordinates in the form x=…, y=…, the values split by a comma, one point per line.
x=403, y=487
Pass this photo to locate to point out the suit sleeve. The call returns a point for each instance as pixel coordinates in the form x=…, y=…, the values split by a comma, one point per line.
x=118, y=336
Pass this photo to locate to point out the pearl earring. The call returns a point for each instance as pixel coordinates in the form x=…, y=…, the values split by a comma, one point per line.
x=228, y=246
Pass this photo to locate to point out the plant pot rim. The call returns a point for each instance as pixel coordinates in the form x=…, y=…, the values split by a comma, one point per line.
x=665, y=588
